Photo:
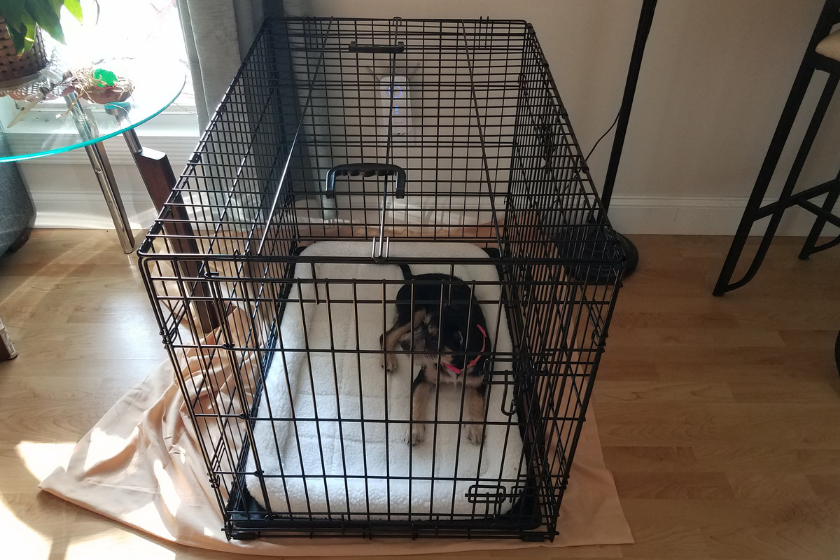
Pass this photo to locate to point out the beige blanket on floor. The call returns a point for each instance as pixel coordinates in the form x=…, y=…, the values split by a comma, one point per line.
x=141, y=466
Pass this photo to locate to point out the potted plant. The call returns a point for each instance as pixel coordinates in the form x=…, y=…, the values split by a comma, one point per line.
x=21, y=49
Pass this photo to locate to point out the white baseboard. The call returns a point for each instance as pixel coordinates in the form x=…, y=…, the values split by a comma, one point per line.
x=699, y=216
x=628, y=214
x=67, y=195
x=89, y=211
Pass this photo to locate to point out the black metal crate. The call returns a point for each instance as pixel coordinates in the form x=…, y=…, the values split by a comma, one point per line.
x=344, y=147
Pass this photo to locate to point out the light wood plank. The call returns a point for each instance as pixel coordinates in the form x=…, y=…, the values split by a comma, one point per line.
x=770, y=486
x=670, y=485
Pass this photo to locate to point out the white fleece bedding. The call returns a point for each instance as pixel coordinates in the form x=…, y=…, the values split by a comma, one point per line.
x=355, y=386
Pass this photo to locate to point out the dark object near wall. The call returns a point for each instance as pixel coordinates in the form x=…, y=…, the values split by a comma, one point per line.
x=642, y=32
x=17, y=214
x=7, y=349
x=837, y=352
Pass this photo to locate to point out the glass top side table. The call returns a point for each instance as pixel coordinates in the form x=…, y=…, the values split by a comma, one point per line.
x=55, y=120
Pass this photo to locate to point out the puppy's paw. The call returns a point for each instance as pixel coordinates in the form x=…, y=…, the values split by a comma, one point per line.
x=416, y=435
x=389, y=363
x=475, y=433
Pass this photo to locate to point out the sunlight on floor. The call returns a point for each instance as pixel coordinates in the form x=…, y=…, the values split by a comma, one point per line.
x=117, y=544
x=42, y=458
x=19, y=540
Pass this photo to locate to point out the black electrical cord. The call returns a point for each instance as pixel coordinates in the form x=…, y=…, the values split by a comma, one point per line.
x=602, y=137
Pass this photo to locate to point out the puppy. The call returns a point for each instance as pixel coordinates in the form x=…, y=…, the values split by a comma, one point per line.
x=446, y=324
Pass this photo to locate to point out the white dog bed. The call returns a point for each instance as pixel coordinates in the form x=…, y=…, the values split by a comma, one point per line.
x=348, y=467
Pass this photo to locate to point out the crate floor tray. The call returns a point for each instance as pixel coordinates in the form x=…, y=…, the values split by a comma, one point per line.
x=332, y=427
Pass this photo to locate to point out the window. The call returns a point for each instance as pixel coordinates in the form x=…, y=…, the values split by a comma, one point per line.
x=144, y=35
x=148, y=31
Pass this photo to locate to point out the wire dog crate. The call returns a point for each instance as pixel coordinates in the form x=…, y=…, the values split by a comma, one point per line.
x=342, y=149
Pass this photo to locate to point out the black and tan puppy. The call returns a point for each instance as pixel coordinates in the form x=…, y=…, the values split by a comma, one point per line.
x=444, y=322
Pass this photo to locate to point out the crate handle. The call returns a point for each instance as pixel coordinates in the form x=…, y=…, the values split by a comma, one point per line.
x=366, y=170
x=355, y=47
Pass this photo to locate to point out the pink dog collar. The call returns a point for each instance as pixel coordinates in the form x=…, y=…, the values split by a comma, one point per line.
x=474, y=361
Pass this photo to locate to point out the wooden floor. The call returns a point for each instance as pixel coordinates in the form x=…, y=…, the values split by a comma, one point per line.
x=720, y=417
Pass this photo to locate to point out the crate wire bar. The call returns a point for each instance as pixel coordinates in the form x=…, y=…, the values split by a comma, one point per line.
x=296, y=182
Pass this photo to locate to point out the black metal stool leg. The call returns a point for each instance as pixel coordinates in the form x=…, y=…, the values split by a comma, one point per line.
x=754, y=211
x=810, y=247
x=777, y=209
x=774, y=152
x=837, y=351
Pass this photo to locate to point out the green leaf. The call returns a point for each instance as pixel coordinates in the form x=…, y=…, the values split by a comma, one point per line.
x=44, y=13
x=19, y=40
x=46, y=18
x=22, y=16
x=12, y=11
x=75, y=8
x=29, y=30
x=27, y=21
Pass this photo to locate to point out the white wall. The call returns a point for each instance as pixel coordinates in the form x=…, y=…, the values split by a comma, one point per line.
x=715, y=76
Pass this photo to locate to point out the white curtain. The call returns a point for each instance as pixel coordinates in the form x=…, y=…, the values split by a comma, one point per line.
x=218, y=34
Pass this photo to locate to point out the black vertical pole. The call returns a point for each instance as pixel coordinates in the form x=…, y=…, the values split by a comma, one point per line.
x=642, y=31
